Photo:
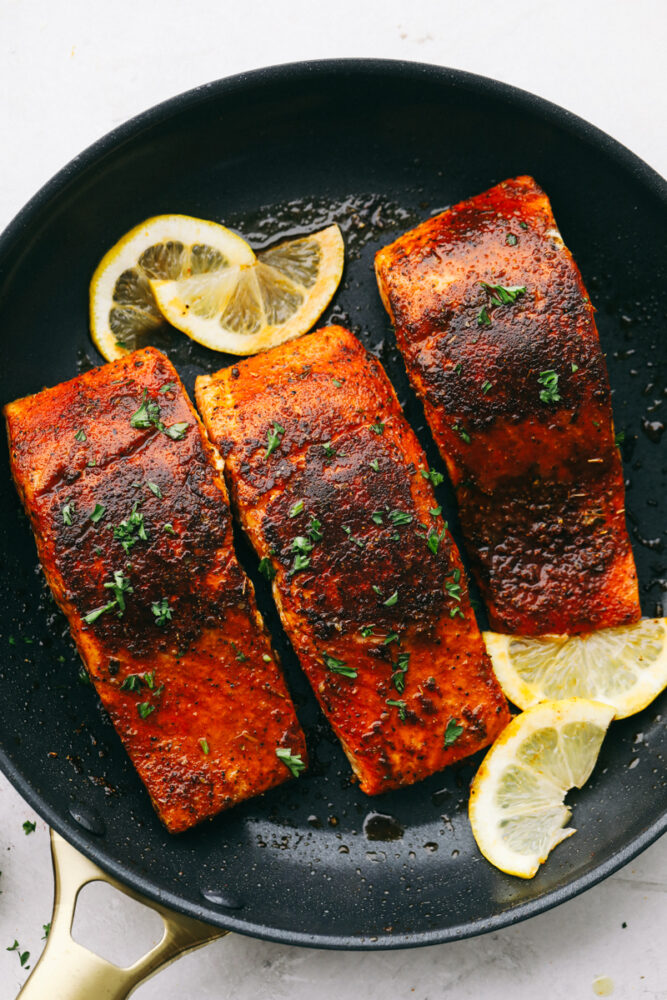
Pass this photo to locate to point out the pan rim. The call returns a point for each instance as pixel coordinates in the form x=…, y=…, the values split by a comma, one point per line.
x=57, y=187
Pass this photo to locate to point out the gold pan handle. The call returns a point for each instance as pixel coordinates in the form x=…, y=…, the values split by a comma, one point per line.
x=68, y=971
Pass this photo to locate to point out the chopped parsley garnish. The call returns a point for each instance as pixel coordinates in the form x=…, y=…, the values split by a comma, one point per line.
x=378, y=427
x=329, y=450
x=377, y=516
x=511, y=240
x=433, y=540
x=135, y=682
x=398, y=676
x=524, y=225
x=574, y=367
x=144, y=708
x=266, y=568
x=337, y=382
x=388, y=639
x=154, y=488
x=68, y=511
x=435, y=477
x=452, y=732
x=619, y=438
x=500, y=296
x=176, y=431
x=483, y=317
x=204, y=746
x=366, y=630
x=435, y=511
x=391, y=601
x=375, y=465
x=47, y=930
x=486, y=386
x=148, y=415
x=128, y=532
x=454, y=590
x=98, y=513
x=92, y=616
x=120, y=585
x=296, y=509
x=400, y=705
x=23, y=955
x=302, y=547
x=162, y=611
x=400, y=517
x=458, y=368
x=337, y=666
x=29, y=827
x=240, y=655
x=80, y=436
x=549, y=379
x=169, y=528
x=167, y=388
x=291, y=761
x=462, y=433
x=376, y=589
x=266, y=657
x=314, y=529
x=273, y=438
x=84, y=677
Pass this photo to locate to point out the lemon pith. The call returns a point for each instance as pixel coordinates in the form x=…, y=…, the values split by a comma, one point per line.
x=516, y=808
x=625, y=667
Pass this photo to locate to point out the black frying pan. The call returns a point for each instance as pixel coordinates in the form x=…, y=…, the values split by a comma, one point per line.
x=376, y=146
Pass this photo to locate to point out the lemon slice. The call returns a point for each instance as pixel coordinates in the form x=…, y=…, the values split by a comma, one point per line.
x=516, y=805
x=257, y=304
x=625, y=667
x=123, y=311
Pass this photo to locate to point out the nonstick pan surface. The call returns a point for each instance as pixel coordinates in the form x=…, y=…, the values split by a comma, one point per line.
x=376, y=146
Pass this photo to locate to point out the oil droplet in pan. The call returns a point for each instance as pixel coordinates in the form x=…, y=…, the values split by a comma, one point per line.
x=379, y=826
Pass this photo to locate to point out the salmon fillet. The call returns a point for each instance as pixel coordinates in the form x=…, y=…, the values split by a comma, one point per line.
x=333, y=490
x=130, y=512
x=499, y=340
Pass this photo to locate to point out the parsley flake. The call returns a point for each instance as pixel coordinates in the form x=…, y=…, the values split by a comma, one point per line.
x=47, y=930
x=266, y=568
x=23, y=955
x=400, y=517
x=98, y=513
x=366, y=630
x=129, y=531
x=398, y=676
x=292, y=762
x=29, y=827
x=170, y=386
x=452, y=732
x=80, y=436
x=120, y=585
x=486, y=386
x=162, y=611
x=388, y=639
x=337, y=666
x=296, y=509
x=434, y=539
x=375, y=465
x=92, y=616
x=314, y=529
x=204, y=746
x=169, y=528
x=435, y=477
x=176, y=431
x=391, y=601
x=549, y=379
x=145, y=708
x=574, y=367
x=378, y=427
x=337, y=382
x=67, y=512
x=458, y=368
x=462, y=433
x=511, y=240
x=273, y=438
x=329, y=450
x=155, y=489
x=435, y=511
x=483, y=317
x=400, y=705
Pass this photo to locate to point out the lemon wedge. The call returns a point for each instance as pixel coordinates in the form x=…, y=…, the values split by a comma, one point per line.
x=250, y=305
x=624, y=667
x=123, y=310
x=516, y=808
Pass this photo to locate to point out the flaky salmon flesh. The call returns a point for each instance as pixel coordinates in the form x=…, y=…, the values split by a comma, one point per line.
x=334, y=492
x=499, y=341
x=128, y=504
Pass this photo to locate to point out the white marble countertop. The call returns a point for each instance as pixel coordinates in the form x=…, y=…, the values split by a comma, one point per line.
x=71, y=71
